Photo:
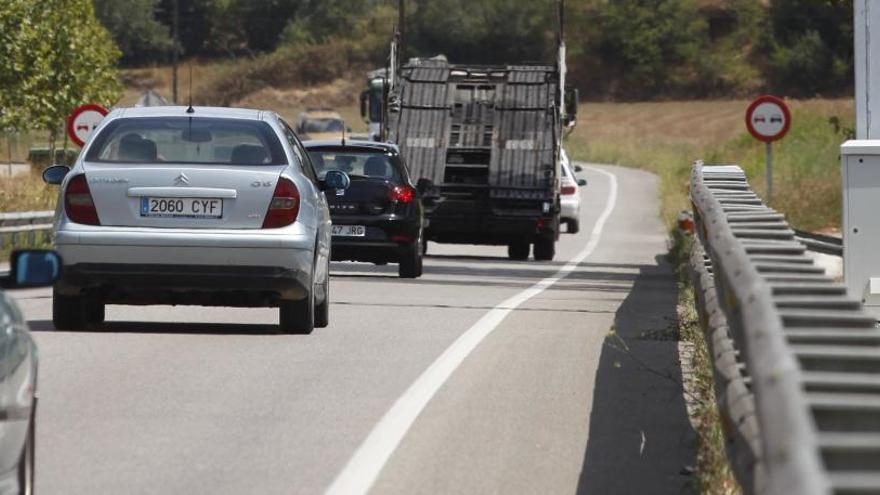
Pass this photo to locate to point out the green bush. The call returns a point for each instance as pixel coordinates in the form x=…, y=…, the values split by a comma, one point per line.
x=40, y=158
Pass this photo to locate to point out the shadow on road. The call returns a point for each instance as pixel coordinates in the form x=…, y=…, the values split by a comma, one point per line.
x=515, y=275
x=640, y=437
x=465, y=306
x=507, y=261
x=175, y=328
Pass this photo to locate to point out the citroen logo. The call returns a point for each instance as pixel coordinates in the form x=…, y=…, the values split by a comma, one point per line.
x=181, y=180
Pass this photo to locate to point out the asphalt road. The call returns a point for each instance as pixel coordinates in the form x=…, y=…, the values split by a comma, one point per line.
x=483, y=376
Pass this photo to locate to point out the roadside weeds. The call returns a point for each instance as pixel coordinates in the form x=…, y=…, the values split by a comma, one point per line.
x=712, y=473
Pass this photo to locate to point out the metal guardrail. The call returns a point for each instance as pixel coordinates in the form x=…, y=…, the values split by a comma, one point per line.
x=25, y=228
x=819, y=243
x=796, y=361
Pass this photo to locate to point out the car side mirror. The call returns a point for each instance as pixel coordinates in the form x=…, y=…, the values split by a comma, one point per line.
x=32, y=268
x=578, y=168
x=336, y=179
x=55, y=174
x=424, y=185
x=582, y=182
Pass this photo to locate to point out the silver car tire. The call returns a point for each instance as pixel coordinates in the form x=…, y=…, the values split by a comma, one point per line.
x=26, y=462
x=298, y=317
x=322, y=310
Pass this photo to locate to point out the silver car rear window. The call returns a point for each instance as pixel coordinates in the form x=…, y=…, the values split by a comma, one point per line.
x=198, y=140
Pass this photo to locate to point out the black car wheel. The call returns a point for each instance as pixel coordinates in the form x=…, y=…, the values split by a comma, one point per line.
x=574, y=226
x=545, y=248
x=68, y=312
x=518, y=250
x=411, y=261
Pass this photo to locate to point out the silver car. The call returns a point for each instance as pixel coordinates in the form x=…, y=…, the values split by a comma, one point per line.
x=18, y=372
x=205, y=206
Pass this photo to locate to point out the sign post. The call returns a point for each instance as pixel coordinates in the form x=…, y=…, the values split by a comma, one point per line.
x=83, y=120
x=768, y=120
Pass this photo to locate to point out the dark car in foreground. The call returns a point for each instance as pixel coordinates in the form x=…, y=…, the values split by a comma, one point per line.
x=18, y=371
x=378, y=219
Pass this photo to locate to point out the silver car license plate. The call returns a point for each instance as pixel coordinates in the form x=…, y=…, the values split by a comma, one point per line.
x=349, y=230
x=182, y=207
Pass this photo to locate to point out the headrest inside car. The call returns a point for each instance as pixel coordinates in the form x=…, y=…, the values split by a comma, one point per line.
x=248, y=154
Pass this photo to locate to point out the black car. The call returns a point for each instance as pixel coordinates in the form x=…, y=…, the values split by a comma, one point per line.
x=378, y=219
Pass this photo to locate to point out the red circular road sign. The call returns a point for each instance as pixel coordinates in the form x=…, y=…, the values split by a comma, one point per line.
x=768, y=118
x=83, y=120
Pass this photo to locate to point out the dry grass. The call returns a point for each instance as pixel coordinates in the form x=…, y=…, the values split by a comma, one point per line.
x=712, y=474
x=159, y=79
x=666, y=137
x=26, y=193
x=340, y=94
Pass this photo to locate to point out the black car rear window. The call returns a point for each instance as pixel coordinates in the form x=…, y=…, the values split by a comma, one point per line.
x=197, y=140
x=357, y=163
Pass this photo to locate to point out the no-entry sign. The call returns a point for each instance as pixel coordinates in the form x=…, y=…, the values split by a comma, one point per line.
x=768, y=118
x=83, y=120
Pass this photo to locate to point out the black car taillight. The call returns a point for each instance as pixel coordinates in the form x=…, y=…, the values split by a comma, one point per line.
x=401, y=194
x=78, y=202
x=284, y=207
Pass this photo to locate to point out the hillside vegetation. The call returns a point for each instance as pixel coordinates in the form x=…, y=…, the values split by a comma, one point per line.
x=632, y=49
x=291, y=54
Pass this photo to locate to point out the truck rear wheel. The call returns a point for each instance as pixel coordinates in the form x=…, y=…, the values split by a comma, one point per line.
x=545, y=249
x=518, y=250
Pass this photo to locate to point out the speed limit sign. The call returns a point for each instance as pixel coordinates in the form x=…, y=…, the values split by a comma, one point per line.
x=83, y=120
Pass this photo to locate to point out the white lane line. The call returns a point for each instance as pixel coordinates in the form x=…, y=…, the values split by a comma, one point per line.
x=358, y=476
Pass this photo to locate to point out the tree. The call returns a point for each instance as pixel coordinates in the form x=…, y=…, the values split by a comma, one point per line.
x=58, y=56
x=135, y=29
x=19, y=36
x=651, y=44
x=196, y=24
x=810, y=45
x=489, y=31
